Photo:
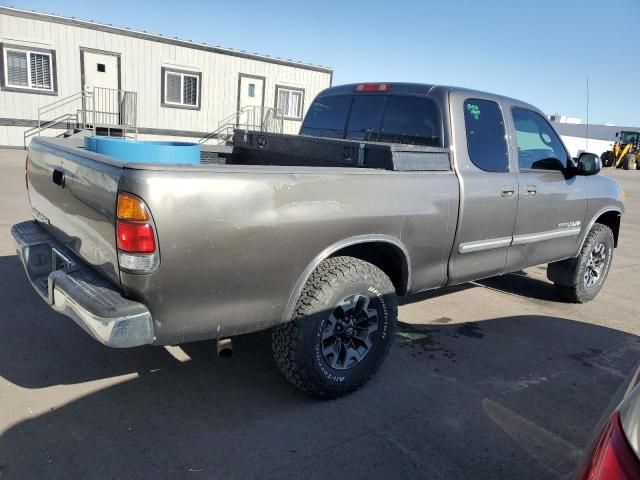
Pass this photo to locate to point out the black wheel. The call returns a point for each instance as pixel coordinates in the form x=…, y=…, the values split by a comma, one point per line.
x=341, y=331
x=607, y=159
x=592, y=266
x=629, y=162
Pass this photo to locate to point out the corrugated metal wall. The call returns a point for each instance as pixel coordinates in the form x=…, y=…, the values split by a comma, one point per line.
x=141, y=63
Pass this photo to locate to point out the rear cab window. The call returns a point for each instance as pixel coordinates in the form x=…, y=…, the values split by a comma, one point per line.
x=388, y=118
x=327, y=117
x=486, y=135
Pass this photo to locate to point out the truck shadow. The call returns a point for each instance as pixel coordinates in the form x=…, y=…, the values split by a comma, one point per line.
x=519, y=395
x=40, y=348
x=522, y=284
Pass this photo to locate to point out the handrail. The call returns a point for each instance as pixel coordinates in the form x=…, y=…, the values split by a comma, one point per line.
x=115, y=108
x=49, y=123
x=257, y=118
x=63, y=101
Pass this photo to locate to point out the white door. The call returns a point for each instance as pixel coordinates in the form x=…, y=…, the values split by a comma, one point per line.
x=100, y=70
x=250, y=101
x=101, y=73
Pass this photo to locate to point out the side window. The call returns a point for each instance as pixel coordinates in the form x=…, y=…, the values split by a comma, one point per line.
x=539, y=147
x=365, y=118
x=327, y=117
x=486, y=136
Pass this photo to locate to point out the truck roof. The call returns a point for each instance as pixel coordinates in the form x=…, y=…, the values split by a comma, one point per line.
x=414, y=89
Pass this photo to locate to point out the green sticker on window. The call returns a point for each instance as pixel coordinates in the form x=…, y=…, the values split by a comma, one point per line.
x=474, y=110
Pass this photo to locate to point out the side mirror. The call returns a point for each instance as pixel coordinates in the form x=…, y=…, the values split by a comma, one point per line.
x=589, y=164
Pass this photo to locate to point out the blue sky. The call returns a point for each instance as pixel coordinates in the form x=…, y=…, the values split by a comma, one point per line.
x=540, y=51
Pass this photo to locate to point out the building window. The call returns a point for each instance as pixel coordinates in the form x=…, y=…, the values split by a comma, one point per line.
x=181, y=89
x=29, y=70
x=102, y=67
x=290, y=102
x=252, y=89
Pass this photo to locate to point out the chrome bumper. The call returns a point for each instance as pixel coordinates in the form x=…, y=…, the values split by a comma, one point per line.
x=79, y=292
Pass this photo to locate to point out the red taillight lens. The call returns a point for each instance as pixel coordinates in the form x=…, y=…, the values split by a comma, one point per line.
x=612, y=457
x=373, y=87
x=135, y=237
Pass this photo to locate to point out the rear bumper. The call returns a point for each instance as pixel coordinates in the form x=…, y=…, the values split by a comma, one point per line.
x=76, y=290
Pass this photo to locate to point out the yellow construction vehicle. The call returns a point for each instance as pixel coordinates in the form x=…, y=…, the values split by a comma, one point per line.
x=625, y=152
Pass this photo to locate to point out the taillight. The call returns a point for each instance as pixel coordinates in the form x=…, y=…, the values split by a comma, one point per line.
x=373, y=87
x=612, y=457
x=135, y=237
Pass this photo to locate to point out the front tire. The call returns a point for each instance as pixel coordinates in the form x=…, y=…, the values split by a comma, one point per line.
x=592, y=266
x=341, y=331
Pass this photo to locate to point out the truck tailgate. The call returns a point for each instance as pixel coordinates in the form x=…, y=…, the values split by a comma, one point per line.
x=73, y=194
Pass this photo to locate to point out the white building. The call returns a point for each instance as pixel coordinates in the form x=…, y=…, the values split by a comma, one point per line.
x=57, y=70
x=556, y=117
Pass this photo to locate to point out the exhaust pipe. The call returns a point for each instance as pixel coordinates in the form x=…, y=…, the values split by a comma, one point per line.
x=225, y=348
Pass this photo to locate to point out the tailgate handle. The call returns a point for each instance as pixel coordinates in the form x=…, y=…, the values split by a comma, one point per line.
x=58, y=177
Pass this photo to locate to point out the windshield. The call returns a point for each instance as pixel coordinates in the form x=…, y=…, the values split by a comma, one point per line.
x=412, y=120
x=628, y=137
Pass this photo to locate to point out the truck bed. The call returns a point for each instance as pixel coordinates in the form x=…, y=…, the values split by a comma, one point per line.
x=236, y=239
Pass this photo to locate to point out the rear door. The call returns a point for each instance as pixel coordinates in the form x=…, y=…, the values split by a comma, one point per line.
x=552, y=205
x=488, y=188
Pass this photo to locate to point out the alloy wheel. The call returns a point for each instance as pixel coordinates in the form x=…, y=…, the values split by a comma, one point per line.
x=349, y=332
x=595, y=265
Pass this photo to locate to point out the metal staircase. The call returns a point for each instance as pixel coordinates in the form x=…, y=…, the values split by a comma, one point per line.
x=103, y=111
x=263, y=119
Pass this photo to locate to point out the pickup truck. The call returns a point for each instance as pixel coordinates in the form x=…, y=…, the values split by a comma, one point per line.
x=388, y=190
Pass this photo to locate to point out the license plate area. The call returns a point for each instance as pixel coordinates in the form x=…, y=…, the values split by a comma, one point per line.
x=59, y=261
x=41, y=261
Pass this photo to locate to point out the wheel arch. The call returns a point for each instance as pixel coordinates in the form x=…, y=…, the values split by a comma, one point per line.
x=609, y=217
x=384, y=251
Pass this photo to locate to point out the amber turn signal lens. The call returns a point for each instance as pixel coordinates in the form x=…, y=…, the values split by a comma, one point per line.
x=131, y=207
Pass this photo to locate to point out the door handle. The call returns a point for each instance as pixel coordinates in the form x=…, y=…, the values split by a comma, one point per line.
x=507, y=191
x=532, y=191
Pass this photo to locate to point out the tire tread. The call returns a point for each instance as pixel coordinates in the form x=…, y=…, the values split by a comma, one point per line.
x=576, y=293
x=285, y=337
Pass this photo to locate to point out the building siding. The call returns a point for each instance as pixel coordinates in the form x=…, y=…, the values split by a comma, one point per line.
x=141, y=64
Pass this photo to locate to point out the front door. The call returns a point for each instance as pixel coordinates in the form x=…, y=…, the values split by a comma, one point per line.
x=101, y=72
x=489, y=188
x=552, y=206
x=250, y=101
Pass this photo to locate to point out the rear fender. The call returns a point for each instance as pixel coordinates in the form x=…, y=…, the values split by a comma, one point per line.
x=329, y=251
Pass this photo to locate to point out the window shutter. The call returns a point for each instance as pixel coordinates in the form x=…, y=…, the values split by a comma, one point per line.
x=190, y=90
x=283, y=102
x=40, y=71
x=294, y=104
x=172, y=88
x=17, y=68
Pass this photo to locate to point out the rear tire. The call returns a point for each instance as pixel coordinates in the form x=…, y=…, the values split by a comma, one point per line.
x=592, y=266
x=629, y=162
x=341, y=331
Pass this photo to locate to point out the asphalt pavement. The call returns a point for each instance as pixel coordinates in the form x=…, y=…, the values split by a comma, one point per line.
x=497, y=379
